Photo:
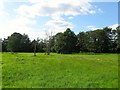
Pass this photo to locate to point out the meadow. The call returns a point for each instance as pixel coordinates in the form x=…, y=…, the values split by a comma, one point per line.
x=23, y=70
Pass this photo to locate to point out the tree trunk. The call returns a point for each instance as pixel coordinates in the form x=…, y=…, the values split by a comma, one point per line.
x=48, y=48
x=35, y=49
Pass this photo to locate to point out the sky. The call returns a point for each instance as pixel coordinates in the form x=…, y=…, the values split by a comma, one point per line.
x=38, y=17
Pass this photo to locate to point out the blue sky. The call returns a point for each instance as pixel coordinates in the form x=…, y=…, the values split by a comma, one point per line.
x=36, y=17
x=108, y=16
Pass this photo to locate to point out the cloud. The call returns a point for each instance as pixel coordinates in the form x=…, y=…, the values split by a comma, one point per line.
x=59, y=25
x=114, y=26
x=21, y=25
x=25, y=18
x=56, y=7
x=92, y=27
x=105, y=0
x=2, y=9
x=70, y=17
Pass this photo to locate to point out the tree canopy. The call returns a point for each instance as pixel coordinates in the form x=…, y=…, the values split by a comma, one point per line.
x=103, y=40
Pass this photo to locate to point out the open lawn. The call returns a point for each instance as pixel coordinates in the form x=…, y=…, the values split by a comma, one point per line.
x=23, y=70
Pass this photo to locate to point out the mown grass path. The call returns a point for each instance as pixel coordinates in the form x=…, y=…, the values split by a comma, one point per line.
x=23, y=70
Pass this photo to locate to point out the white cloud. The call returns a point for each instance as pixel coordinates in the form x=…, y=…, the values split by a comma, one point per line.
x=56, y=9
x=59, y=25
x=70, y=17
x=21, y=25
x=2, y=9
x=92, y=27
x=1, y=5
x=105, y=0
x=113, y=26
x=59, y=7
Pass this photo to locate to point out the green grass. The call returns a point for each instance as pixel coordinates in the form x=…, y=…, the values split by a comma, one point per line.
x=23, y=70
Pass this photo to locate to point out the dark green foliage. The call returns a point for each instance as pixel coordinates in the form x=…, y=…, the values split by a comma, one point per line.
x=25, y=43
x=70, y=42
x=59, y=37
x=98, y=41
x=4, y=45
x=82, y=41
x=103, y=40
x=52, y=40
x=66, y=42
x=14, y=42
x=40, y=46
x=118, y=38
x=17, y=43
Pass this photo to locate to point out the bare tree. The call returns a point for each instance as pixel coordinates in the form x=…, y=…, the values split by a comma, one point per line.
x=48, y=42
x=35, y=45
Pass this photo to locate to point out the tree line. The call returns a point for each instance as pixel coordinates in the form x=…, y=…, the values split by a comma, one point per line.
x=103, y=40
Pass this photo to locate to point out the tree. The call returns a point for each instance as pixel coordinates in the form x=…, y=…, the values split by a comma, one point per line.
x=70, y=40
x=66, y=42
x=4, y=45
x=113, y=41
x=34, y=45
x=25, y=43
x=118, y=38
x=40, y=45
x=106, y=39
x=48, y=42
x=99, y=40
x=82, y=41
x=52, y=44
x=14, y=42
x=59, y=42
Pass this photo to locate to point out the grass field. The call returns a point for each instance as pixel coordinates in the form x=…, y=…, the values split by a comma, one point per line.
x=23, y=70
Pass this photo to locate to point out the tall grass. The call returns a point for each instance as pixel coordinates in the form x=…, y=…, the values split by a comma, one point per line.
x=23, y=70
